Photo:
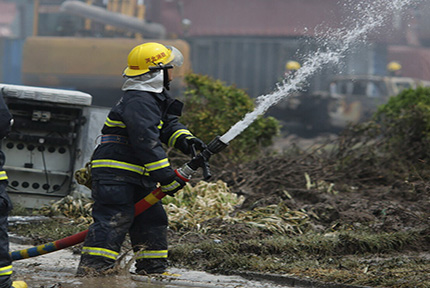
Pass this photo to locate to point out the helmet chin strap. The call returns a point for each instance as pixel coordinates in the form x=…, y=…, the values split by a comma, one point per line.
x=166, y=82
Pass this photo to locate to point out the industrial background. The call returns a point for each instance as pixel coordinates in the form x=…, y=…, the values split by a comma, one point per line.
x=83, y=45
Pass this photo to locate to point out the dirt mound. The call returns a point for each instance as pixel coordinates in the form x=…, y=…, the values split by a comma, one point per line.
x=310, y=180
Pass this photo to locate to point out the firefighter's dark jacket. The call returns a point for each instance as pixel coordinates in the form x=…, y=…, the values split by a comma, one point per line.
x=145, y=120
x=5, y=122
x=5, y=119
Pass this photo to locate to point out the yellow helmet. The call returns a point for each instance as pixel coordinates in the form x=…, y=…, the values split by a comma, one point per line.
x=151, y=56
x=394, y=66
x=292, y=65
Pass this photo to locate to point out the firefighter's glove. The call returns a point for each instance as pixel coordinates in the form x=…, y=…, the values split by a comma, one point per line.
x=83, y=175
x=186, y=143
x=173, y=184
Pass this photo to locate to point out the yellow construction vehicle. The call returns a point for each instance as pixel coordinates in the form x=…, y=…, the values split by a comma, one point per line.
x=83, y=45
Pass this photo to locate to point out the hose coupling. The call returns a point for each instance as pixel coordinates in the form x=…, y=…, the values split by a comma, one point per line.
x=186, y=171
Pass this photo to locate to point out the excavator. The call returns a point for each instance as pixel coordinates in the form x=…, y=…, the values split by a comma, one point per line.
x=83, y=45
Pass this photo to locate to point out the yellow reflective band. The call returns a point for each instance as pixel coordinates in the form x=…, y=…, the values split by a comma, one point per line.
x=107, y=163
x=176, y=135
x=114, y=123
x=3, y=175
x=160, y=125
x=95, y=251
x=163, y=163
x=146, y=254
x=7, y=270
x=170, y=187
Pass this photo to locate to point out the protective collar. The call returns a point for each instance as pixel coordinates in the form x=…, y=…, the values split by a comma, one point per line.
x=151, y=82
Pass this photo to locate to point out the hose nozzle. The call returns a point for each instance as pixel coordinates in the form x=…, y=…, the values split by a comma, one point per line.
x=216, y=145
x=202, y=159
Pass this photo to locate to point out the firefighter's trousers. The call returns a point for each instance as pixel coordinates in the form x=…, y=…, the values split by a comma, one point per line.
x=113, y=214
x=5, y=259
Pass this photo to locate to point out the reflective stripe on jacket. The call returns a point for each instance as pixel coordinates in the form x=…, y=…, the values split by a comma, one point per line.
x=3, y=175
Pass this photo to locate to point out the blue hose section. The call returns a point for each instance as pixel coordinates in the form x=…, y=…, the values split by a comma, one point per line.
x=33, y=251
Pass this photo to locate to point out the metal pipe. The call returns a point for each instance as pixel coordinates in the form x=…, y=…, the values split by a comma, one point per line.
x=98, y=14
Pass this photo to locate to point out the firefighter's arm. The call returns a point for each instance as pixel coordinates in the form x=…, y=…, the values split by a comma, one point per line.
x=175, y=134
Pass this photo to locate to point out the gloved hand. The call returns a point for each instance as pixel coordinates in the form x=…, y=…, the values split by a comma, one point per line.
x=173, y=184
x=185, y=143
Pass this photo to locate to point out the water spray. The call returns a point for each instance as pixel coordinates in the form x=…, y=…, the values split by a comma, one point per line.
x=368, y=16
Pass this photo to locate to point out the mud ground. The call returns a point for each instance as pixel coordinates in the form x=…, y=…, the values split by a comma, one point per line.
x=400, y=205
x=57, y=270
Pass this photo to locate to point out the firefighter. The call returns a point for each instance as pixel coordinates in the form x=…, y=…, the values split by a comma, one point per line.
x=130, y=161
x=5, y=207
x=291, y=68
x=394, y=68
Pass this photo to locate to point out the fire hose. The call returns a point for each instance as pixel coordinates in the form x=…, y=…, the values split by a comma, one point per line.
x=200, y=160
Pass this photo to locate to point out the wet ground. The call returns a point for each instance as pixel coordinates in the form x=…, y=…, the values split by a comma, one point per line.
x=57, y=270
